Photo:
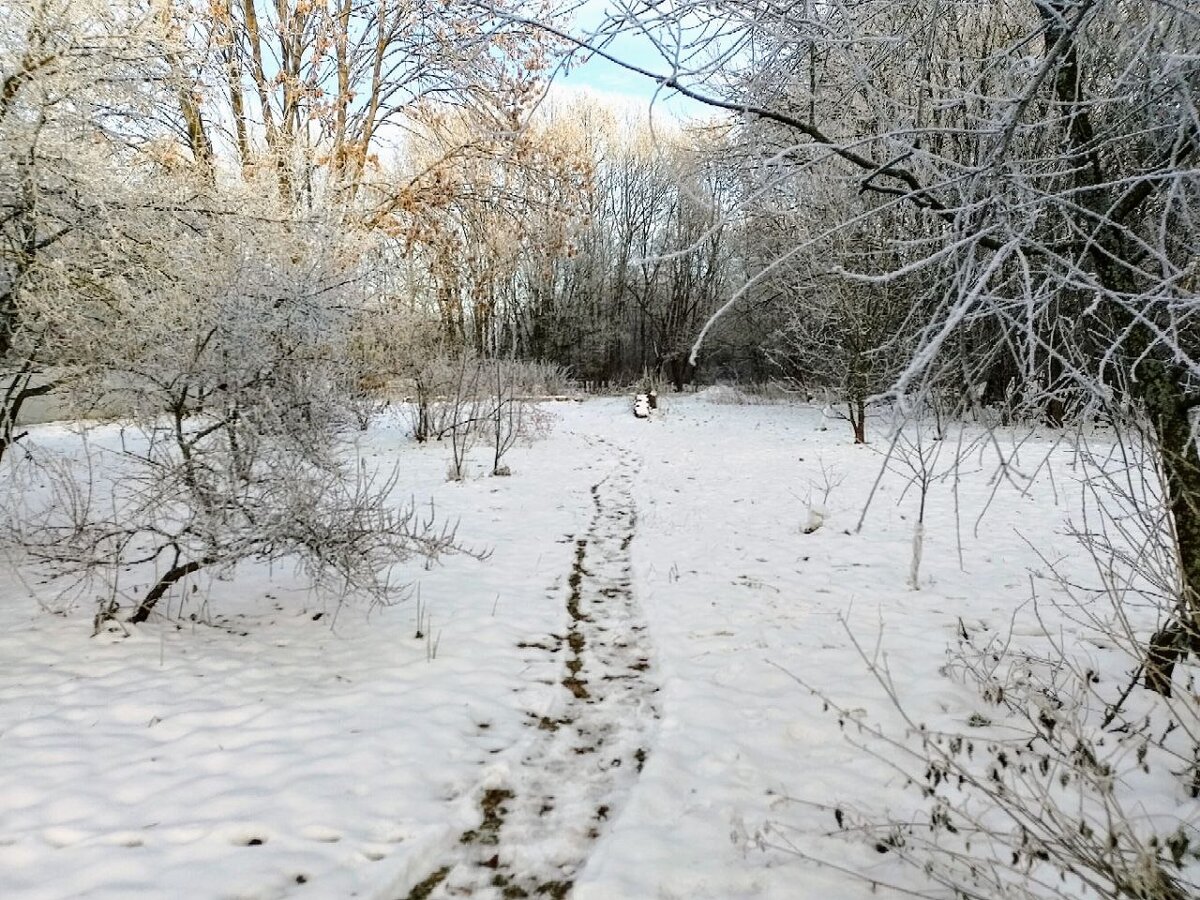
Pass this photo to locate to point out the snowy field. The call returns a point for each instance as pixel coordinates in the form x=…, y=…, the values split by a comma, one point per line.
x=611, y=706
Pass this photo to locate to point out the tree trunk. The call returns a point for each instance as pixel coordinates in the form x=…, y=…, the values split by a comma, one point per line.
x=858, y=419
x=169, y=578
x=1158, y=386
x=16, y=392
x=1169, y=409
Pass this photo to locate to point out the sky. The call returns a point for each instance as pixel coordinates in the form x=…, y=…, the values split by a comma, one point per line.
x=616, y=85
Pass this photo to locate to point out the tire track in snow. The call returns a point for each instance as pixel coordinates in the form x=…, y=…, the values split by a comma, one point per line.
x=536, y=832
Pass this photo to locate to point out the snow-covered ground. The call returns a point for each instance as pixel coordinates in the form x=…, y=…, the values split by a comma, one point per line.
x=610, y=706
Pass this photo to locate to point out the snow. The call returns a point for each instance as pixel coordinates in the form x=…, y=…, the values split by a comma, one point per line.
x=270, y=748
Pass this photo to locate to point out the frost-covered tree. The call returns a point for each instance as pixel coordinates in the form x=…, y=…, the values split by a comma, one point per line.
x=230, y=360
x=839, y=335
x=312, y=94
x=79, y=86
x=215, y=313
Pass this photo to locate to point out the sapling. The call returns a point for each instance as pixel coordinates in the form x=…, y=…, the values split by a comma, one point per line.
x=507, y=414
x=817, y=512
x=465, y=406
x=918, y=457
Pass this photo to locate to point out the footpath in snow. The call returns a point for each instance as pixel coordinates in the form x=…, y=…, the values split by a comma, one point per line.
x=540, y=817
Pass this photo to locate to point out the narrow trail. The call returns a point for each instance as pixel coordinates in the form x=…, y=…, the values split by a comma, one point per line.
x=535, y=833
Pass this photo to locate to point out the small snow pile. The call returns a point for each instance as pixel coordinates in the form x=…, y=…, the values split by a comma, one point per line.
x=816, y=518
x=723, y=394
x=641, y=406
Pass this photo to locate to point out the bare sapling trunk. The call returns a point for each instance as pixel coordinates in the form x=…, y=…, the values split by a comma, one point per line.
x=918, y=457
x=507, y=414
x=464, y=411
x=918, y=547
